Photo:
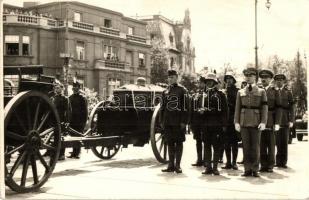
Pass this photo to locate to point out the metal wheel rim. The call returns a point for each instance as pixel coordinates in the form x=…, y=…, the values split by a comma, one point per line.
x=158, y=144
x=36, y=138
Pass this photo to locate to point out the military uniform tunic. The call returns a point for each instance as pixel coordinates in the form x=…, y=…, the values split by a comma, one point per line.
x=288, y=115
x=174, y=111
x=213, y=120
x=251, y=110
x=268, y=135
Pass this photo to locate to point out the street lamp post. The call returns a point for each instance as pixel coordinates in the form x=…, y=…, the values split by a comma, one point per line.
x=267, y=4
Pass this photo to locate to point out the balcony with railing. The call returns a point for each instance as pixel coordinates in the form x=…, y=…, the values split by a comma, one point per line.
x=82, y=25
x=112, y=65
x=136, y=38
x=29, y=20
x=110, y=31
x=49, y=23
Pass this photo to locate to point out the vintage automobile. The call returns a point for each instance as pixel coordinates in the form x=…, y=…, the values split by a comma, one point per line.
x=301, y=126
x=32, y=126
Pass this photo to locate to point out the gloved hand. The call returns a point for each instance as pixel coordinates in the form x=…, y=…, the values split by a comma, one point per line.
x=261, y=126
x=237, y=127
x=290, y=124
x=276, y=127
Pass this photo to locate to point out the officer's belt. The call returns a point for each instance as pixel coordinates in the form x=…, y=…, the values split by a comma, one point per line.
x=251, y=107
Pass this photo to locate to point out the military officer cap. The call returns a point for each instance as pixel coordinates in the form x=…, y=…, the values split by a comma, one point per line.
x=229, y=74
x=279, y=76
x=266, y=73
x=211, y=76
x=250, y=71
x=172, y=72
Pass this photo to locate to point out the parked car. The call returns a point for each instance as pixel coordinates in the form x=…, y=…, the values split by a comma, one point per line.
x=301, y=126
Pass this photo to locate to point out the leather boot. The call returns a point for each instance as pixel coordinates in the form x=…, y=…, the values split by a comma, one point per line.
x=199, y=161
x=178, y=151
x=171, y=155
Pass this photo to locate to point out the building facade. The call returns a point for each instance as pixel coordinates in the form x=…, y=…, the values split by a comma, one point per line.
x=106, y=48
x=176, y=38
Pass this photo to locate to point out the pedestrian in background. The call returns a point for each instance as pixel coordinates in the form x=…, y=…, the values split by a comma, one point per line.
x=287, y=119
x=214, y=121
x=63, y=108
x=231, y=136
x=250, y=119
x=174, y=118
x=273, y=122
x=79, y=115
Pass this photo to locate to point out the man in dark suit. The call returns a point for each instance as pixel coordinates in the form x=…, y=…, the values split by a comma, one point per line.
x=250, y=119
x=195, y=121
x=231, y=137
x=214, y=120
x=174, y=118
x=79, y=114
x=63, y=108
x=287, y=119
x=273, y=122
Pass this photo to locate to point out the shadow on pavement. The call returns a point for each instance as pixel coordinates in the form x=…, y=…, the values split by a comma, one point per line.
x=274, y=175
x=213, y=178
x=172, y=175
x=255, y=181
x=132, y=163
x=69, y=172
x=289, y=170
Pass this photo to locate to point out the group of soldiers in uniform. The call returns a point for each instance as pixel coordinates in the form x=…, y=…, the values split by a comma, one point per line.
x=259, y=115
x=72, y=110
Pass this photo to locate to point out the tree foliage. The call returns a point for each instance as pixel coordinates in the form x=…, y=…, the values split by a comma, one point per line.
x=159, y=60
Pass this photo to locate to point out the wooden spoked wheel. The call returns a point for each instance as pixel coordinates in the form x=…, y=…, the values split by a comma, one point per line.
x=103, y=152
x=31, y=127
x=158, y=143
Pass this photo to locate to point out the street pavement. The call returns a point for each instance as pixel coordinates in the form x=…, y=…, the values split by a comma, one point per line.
x=134, y=173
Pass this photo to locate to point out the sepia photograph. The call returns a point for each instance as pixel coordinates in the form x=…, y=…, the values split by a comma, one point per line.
x=154, y=99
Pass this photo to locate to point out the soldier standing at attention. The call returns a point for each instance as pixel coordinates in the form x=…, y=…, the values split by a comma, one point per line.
x=231, y=138
x=214, y=121
x=287, y=119
x=63, y=107
x=250, y=119
x=273, y=122
x=79, y=115
x=195, y=122
x=174, y=118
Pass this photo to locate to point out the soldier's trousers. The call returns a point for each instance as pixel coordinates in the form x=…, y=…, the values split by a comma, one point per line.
x=212, y=138
x=197, y=135
x=267, y=149
x=175, y=150
x=251, y=137
x=282, y=138
x=79, y=128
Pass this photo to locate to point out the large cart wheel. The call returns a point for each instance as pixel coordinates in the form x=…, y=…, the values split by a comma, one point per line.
x=158, y=143
x=31, y=127
x=103, y=152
